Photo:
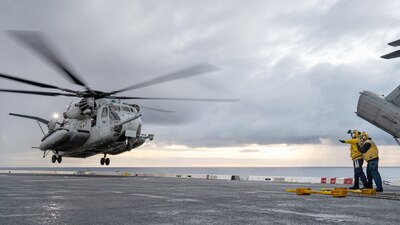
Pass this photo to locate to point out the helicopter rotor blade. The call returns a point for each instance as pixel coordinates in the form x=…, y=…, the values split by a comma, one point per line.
x=156, y=109
x=391, y=55
x=151, y=108
x=190, y=71
x=31, y=117
x=178, y=99
x=34, y=83
x=37, y=42
x=395, y=43
x=38, y=93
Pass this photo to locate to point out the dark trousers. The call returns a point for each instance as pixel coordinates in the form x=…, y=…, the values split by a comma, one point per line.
x=359, y=173
x=373, y=174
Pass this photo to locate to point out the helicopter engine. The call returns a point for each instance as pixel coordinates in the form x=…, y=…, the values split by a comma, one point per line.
x=78, y=109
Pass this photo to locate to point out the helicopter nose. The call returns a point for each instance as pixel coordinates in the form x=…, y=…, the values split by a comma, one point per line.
x=132, y=130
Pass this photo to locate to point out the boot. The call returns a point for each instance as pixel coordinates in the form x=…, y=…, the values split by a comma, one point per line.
x=354, y=188
x=366, y=186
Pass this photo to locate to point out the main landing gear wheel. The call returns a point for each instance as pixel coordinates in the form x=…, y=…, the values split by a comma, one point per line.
x=105, y=160
x=56, y=158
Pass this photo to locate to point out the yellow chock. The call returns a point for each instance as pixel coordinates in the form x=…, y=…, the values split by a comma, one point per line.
x=368, y=191
x=126, y=174
x=336, y=192
x=331, y=189
x=303, y=191
x=362, y=191
x=340, y=188
x=308, y=191
x=339, y=193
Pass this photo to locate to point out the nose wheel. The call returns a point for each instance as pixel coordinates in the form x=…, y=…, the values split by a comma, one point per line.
x=105, y=160
x=56, y=158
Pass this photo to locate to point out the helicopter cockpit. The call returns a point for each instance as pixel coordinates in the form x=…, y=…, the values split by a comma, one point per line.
x=115, y=112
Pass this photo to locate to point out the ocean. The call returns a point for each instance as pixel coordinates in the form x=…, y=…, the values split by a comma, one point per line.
x=387, y=173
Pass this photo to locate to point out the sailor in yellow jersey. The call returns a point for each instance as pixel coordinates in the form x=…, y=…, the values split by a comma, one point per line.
x=357, y=158
x=371, y=154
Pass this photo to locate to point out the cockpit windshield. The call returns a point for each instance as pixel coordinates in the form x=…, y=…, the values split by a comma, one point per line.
x=114, y=108
x=114, y=116
x=104, y=113
x=125, y=109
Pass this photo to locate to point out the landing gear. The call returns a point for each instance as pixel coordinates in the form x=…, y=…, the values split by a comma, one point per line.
x=56, y=158
x=53, y=158
x=105, y=160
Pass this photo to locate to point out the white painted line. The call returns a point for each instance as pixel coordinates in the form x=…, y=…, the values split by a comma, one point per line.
x=150, y=196
x=20, y=215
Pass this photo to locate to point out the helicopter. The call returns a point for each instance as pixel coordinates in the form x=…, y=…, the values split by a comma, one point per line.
x=383, y=112
x=98, y=122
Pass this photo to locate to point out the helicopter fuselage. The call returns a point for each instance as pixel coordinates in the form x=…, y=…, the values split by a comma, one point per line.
x=110, y=127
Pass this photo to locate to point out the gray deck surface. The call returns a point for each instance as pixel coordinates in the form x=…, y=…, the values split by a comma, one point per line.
x=38, y=199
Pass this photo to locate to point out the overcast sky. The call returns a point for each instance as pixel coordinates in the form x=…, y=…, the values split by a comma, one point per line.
x=296, y=66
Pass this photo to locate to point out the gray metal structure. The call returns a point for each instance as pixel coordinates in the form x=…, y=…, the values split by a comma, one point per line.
x=383, y=112
x=99, y=122
x=394, y=54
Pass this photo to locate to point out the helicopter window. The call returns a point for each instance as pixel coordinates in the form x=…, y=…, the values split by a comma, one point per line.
x=125, y=108
x=114, y=116
x=104, y=113
x=133, y=110
x=114, y=108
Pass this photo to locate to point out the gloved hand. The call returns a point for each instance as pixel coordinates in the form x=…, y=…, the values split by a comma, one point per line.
x=349, y=131
x=341, y=141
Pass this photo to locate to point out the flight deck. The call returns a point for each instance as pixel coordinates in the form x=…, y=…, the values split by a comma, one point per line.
x=66, y=199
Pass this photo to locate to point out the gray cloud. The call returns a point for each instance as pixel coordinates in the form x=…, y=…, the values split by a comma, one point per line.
x=261, y=48
x=249, y=150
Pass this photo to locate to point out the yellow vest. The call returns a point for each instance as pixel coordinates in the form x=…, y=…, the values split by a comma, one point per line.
x=372, y=152
x=354, y=153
